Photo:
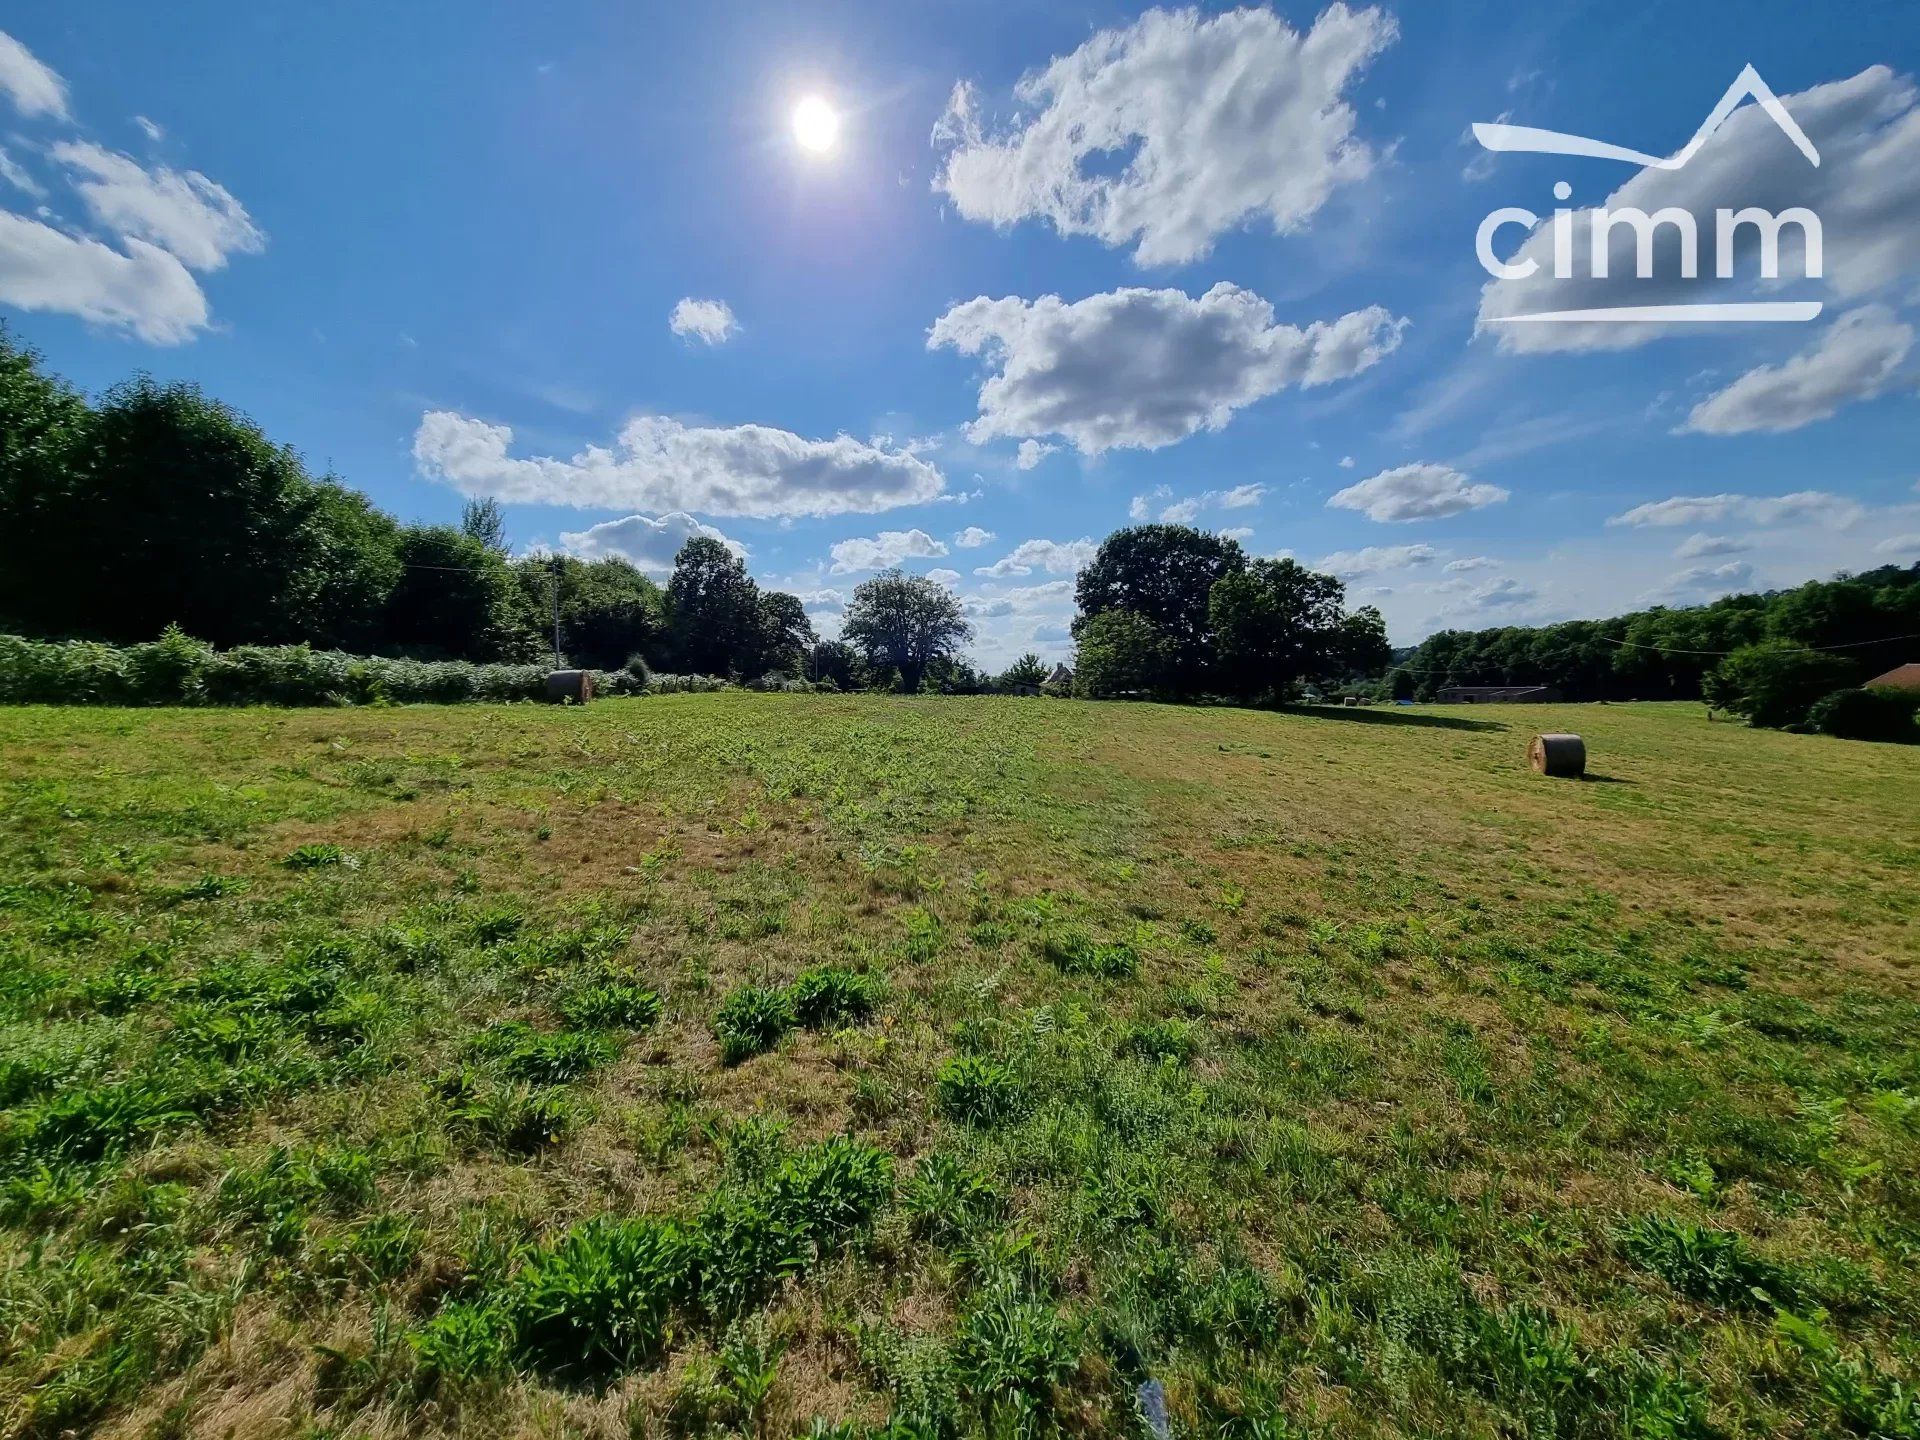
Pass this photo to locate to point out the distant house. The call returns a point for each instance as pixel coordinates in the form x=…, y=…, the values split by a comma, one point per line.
x=1060, y=681
x=1901, y=677
x=1499, y=695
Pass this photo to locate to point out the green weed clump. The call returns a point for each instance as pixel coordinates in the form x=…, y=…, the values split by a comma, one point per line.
x=612, y=1293
x=611, y=1004
x=1074, y=952
x=825, y=995
x=1716, y=1266
x=751, y=1021
x=520, y=1052
x=978, y=1090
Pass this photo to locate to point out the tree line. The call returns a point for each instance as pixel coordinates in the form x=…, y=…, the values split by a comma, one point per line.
x=1667, y=654
x=158, y=504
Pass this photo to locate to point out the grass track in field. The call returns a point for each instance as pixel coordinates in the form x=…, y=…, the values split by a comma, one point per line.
x=488, y=1069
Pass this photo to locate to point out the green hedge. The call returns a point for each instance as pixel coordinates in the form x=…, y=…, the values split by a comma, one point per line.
x=179, y=670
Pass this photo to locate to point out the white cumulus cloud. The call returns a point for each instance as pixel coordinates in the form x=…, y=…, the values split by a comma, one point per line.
x=709, y=321
x=1053, y=556
x=648, y=544
x=1031, y=453
x=658, y=463
x=889, y=547
x=1857, y=358
x=1143, y=369
x=1221, y=120
x=142, y=289
x=972, y=538
x=943, y=576
x=1373, y=559
x=1817, y=506
x=1471, y=562
x=33, y=88
x=1416, y=492
x=183, y=212
x=1899, y=546
x=1699, y=545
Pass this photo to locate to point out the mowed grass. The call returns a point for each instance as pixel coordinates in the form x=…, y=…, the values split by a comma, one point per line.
x=801, y=1065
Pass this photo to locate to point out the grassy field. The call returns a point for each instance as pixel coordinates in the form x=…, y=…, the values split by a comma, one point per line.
x=799, y=1065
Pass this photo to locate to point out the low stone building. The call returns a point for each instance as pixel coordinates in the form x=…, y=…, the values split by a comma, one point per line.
x=1499, y=695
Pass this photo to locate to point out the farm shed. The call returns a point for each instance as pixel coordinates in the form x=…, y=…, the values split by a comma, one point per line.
x=1499, y=695
x=1901, y=677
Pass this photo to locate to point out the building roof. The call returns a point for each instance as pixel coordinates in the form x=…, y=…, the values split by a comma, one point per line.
x=1901, y=677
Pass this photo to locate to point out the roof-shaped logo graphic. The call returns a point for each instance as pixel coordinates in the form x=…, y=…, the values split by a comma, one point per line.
x=1498, y=136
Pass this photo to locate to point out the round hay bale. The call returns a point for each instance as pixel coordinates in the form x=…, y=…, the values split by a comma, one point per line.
x=1558, y=755
x=570, y=687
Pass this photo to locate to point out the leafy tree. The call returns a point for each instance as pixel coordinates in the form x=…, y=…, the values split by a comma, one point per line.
x=1121, y=652
x=837, y=661
x=608, y=609
x=713, y=609
x=43, y=424
x=1165, y=573
x=1363, y=648
x=486, y=522
x=784, y=635
x=172, y=507
x=1277, y=623
x=1775, y=685
x=1401, y=683
x=456, y=599
x=1028, y=670
x=339, y=600
x=905, y=621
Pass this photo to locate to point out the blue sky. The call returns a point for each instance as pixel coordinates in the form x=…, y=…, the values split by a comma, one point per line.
x=439, y=249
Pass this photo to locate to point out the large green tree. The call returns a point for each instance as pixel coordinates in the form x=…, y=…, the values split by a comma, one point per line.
x=609, y=611
x=1121, y=653
x=43, y=425
x=713, y=609
x=1165, y=573
x=905, y=622
x=1277, y=623
x=455, y=600
x=173, y=507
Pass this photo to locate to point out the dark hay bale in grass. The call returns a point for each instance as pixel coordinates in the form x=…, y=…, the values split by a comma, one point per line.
x=1564, y=755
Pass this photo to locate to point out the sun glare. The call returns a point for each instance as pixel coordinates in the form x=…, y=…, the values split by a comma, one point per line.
x=815, y=125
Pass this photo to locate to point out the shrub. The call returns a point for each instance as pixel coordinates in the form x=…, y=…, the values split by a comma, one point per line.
x=179, y=670
x=978, y=1090
x=1774, y=685
x=751, y=1021
x=824, y=994
x=1878, y=714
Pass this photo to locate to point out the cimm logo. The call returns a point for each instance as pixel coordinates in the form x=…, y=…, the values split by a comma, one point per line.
x=1601, y=223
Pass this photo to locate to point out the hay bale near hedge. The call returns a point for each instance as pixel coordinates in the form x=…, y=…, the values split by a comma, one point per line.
x=570, y=687
x=1558, y=754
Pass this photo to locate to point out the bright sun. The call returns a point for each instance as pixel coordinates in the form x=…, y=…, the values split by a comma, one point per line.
x=815, y=125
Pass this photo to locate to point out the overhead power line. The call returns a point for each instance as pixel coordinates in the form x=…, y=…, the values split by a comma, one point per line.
x=1790, y=649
